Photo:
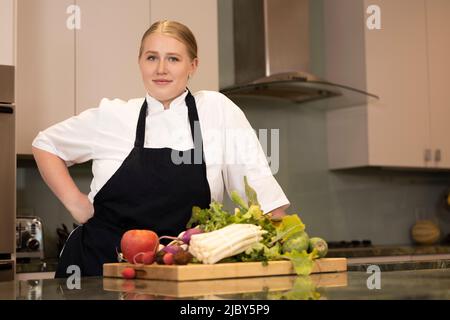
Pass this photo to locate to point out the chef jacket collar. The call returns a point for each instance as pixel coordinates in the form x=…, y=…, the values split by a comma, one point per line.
x=156, y=106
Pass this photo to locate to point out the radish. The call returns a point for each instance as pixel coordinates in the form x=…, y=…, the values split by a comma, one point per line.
x=144, y=258
x=129, y=273
x=186, y=236
x=168, y=258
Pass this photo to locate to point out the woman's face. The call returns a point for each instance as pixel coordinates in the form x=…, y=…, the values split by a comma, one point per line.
x=165, y=67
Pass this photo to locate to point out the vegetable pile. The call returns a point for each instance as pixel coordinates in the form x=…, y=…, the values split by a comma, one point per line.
x=216, y=236
x=250, y=235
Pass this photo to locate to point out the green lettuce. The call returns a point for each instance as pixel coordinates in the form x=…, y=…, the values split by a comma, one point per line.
x=289, y=226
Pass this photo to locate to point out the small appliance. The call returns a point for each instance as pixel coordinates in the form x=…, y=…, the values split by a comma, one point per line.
x=29, y=237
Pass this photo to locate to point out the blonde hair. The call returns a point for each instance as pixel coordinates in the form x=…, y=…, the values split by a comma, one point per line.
x=173, y=29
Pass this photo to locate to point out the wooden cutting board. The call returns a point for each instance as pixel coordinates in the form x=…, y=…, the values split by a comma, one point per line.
x=150, y=289
x=220, y=270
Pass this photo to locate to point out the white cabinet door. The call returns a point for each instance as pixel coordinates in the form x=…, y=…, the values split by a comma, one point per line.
x=390, y=62
x=45, y=78
x=438, y=12
x=396, y=66
x=107, y=48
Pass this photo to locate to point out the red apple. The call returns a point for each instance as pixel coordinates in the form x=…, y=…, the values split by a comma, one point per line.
x=139, y=246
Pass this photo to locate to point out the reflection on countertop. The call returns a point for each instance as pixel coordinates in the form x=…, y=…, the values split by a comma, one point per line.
x=410, y=284
x=36, y=265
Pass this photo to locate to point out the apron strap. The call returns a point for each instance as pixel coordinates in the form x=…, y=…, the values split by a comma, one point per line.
x=193, y=121
x=140, y=128
x=195, y=125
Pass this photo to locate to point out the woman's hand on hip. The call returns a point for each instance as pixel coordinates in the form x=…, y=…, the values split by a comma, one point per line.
x=55, y=173
x=81, y=208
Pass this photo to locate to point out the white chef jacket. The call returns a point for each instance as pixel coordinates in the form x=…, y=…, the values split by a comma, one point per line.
x=106, y=136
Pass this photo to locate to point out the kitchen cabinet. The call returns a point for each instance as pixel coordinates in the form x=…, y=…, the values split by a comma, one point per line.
x=107, y=48
x=438, y=26
x=7, y=32
x=64, y=67
x=402, y=62
x=45, y=70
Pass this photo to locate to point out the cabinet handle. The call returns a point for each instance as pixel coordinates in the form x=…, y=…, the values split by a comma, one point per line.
x=6, y=109
x=437, y=155
x=427, y=155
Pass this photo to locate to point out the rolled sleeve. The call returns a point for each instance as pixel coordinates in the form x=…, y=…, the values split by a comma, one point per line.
x=73, y=139
x=244, y=156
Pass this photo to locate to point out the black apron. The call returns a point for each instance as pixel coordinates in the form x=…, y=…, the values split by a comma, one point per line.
x=149, y=191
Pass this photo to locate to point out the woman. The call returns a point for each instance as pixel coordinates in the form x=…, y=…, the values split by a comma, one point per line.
x=136, y=147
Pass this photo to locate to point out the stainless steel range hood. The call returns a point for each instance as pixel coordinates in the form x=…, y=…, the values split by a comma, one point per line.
x=272, y=55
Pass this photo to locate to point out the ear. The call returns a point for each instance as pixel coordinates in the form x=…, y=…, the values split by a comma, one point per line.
x=194, y=66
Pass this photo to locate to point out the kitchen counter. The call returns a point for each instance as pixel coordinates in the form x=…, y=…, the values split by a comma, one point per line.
x=390, y=258
x=388, y=250
x=409, y=284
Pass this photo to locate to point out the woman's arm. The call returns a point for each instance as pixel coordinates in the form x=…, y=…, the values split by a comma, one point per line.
x=55, y=173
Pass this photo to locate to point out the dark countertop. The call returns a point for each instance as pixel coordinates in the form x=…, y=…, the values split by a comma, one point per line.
x=400, y=265
x=409, y=284
x=387, y=250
